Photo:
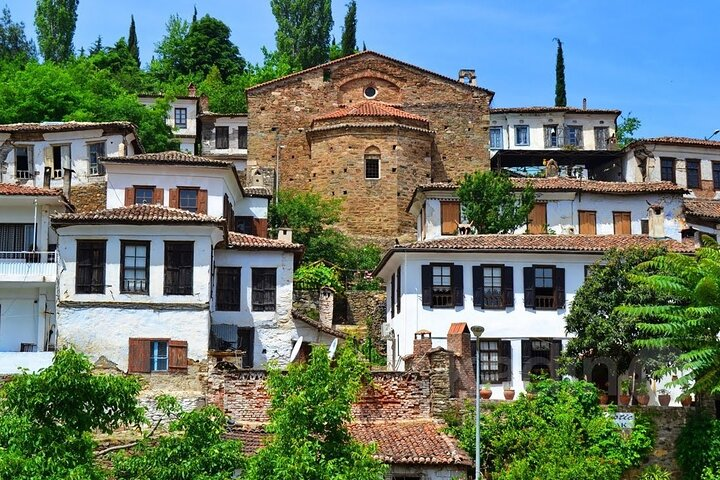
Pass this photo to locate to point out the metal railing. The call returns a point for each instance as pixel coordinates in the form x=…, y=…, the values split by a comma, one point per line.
x=23, y=174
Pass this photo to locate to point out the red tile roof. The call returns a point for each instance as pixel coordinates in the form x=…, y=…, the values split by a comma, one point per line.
x=12, y=189
x=370, y=108
x=171, y=158
x=63, y=126
x=681, y=141
x=460, y=327
x=597, y=186
x=242, y=241
x=255, y=191
x=703, y=208
x=319, y=326
x=136, y=214
x=551, y=110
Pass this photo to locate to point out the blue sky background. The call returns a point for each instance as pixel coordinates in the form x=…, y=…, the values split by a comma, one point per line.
x=657, y=60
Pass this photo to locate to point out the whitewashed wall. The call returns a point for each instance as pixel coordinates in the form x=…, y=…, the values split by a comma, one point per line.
x=252, y=206
x=232, y=123
x=428, y=472
x=26, y=313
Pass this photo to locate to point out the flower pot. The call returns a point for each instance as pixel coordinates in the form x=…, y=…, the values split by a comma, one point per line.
x=624, y=399
x=642, y=398
x=485, y=394
x=685, y=401
x=509, y=394
x=604, y=399
x=664, y=399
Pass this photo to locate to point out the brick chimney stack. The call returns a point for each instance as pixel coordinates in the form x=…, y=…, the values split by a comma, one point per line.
x=192, y=90
x=458, y=340
x=422, y=343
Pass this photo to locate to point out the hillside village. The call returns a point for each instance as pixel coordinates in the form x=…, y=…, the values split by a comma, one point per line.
x=165, y=264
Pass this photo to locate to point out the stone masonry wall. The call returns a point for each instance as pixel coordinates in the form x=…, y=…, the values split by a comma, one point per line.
x=89, y=197
x=370, y=307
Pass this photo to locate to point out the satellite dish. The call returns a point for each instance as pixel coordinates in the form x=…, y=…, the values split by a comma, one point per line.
x=333, y=347
x=296, y=349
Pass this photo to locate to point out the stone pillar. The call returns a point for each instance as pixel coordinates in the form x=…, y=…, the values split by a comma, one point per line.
x=441, y=381
x=327, y=299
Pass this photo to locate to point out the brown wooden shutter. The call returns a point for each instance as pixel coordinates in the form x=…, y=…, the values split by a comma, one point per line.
x=398, y=292
x=129, y=196
x=537, y=220
x=392, y=296
x=507, y=286
x=202, y=201
x=505, y=364
x=588, y=222
x=426, y=285
x=529, y=286
x=449, y=217
x=526, y=356
x=159, y=196
x=177, y=356
x=621, y=221
x=260, y=227
x=139, y=355
x=174, y=198
x=559, y=282
x=478, y=286
x=457, y=285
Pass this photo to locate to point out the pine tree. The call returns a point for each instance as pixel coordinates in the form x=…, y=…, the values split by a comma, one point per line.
x=96, y=47
x=14, y=46
x=194, y=19
x=55, y=22
x=133, y=42
x=560, y=96
x=348, y=42
x=303, y=32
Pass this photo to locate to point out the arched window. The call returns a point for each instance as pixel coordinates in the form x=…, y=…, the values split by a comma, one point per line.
x=372, y=163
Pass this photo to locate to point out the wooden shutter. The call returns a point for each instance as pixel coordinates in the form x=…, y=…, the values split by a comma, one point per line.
x=139, y=355
x=449, y=217
x=392, y=296
x=508, y=287
x=537, y=220
x=505, y=364
x=526, y=356
x=588, y=222
x=478, y=286
x=174, y=198
x=398, y=293
x=158, y=196
x=129, y=196
x=260, y=227
x=177, y=356
x=621, y=221
x=529, y=286
x=202, y=201
x=426, y=285
x=559, y=282
x=555, y=350
x=457, y=285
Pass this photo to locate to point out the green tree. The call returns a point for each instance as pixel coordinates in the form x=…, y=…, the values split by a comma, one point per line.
x=47, y=419
x=349, y=43
x=133, y=47
x=14, y=46
x=309, y=415
x=55, y=25
x=689, y=318
x=625, y=130
x=560, y=95
x=208, y=44
x=335, y=51
x=96, y=47
x=488, y=201
x=303, y=32
x=307, y=213
x=170, y=51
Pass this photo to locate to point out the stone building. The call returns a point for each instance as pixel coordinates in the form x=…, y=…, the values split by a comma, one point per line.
x=369, y=129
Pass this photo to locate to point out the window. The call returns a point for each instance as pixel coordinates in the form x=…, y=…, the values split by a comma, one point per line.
x=181, y=117
x=442, y=285
x=537, y=219
x=496, y=138
x=398, y=291
x=544, y=287
x=95, y=151
x=574, y=135
x=90, y=266
x=522, y=135
x=15, y=237
x=372, y=167
x=601, y=138
x=587, y=220
x=392, y=296
x=222, y=138
x=263, y=289
x=667, y=169
x=242, y=137
x=146, y=355
x=449, y=217
x=23, y=161
x=551, y=136
x=716, y=175
x=188, y=199
x=227, y=290
x=621, y=223
x=645, y=226
x=135, y=267
x=60, y=159
x=144, y=195
x=493, y=286
x=244, y=224
x=158, y=356
x=370, y=92
x=692, y=170
x=179, y=259
x=539, y=357
x=495, y=360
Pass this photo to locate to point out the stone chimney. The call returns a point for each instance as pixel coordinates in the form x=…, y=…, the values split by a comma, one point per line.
x=467, y=76
x=656, y=221
x=285, y=234
x=422, y=343
x=121, y=149
x=192, y=90
x=67, y=181
x=204, y=103
x=326, y=304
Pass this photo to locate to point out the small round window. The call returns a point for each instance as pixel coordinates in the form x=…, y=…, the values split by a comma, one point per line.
x=370, y=92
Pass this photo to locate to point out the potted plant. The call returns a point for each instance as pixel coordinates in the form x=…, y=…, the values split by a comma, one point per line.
x=624, y=397
x=603, y=397
x=642, y=394
x=509, y=392
x=664, y=397
x=685, y=399
x=530, y=390
x=485, y=392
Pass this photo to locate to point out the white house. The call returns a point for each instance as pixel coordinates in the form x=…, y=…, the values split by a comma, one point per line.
x=27, y=276
x=224, y=136
x=181, y=117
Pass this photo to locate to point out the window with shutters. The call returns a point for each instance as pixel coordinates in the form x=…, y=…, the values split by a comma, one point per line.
x=227, y=289
x=144, y=195
x=95, y=151
x=135, y=267
x=449, y=217
x=496, y=138
x=495, y=360
x=161, y=355
x=181, y=117
x=551, y=136
x=544, y=287
x=493, y=286
x=263, y=289
x=537, y=219
x=442, y=285
x=621, y=223
x=716, y=175
x=539, y=357
x=692, y=170
x=602, y=134
x=179, y=268
x=522, y=135
x=573, y=134
x=442, y=293
x=587, y=222
x=667, y=169
x=158, y=356
x=90, y=266
x=23, y=162
x=222, y=138
x=242, y=137
x=188, y=199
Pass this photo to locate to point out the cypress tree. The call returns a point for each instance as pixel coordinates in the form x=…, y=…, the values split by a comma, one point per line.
x=560, y=96
x=133, y=42
x=348, y=42
x=364, y=47
x=96, y=47
x=194, y=14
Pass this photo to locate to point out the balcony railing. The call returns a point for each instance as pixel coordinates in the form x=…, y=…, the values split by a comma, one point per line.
x=27, y=266
x=23, y=174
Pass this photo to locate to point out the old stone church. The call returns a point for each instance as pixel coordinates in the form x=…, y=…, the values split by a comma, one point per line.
x=368, y=128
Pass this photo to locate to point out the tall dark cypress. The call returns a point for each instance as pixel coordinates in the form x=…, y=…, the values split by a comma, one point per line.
x=133, y=42
x=349, y=44
x=194, y=14
x=560, y=96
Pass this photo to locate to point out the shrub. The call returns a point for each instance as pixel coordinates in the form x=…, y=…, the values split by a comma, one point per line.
x=315, y=276
x=655, y=472
x=698, y=448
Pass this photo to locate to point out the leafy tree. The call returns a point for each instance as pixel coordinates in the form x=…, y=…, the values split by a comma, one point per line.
x=560, y=96
x=307, y=213
x=170, y=50
x=55, y=25
x=688, y=319
x=14, y=46
x=303, y=32
x=133, y=42
x=315, y=276
x=349, y=43
x=208, y=44
x=309, y=413
x=488, y=201
x=335, y=51
x=625, y=130
x=47, y=419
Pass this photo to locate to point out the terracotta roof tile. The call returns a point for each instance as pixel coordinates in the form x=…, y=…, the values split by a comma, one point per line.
x=62, y=126
x=703, y=208
x=539, y=109
x=136, y=214
x=460, y=327
x=242, y=241
x=255, y=191
x=356, y=125
x=597, y=186
x=170, y=157
x=370, y=109
x=12, y=189
x=316, y=324
x=683, y=141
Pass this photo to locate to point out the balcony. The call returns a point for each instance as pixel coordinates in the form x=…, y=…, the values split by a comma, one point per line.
x=28, y=267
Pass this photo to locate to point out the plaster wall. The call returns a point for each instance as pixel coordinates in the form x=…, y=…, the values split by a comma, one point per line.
x=252, y=206
x=26, y=313
x=428, y=472
x=208, y=135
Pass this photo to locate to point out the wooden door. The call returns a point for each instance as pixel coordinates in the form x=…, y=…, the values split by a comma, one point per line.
x=587, y=222
x=537, y=220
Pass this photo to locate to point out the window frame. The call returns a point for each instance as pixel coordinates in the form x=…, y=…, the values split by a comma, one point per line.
x=604, y=139
x=446, y=227
x=539, y=300
x=616, y=223
x=242, y=137
x=222, y=141
x=437, y=295
x=496, y=133
x=369, y=167
x=574, y=135
x=550, y=132
x=593, y=213
x=183, y=114
x=58, y=164
x=182, y=190
x=695, y=162
x=136, y=243
x=518, y=129
x=136, y=188
x=184, y=273
x=672, y=167
x=715, y=169
x=95, y=168
x=27, y=172
x=155, y=357
x=264, y=294
x=228, y=293
x=97, y=271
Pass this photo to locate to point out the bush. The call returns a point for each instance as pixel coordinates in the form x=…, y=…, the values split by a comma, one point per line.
x=698, y=448
x=316, y=276
x=655, y=472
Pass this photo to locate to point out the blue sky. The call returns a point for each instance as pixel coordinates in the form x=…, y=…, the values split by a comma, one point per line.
x=657, y=60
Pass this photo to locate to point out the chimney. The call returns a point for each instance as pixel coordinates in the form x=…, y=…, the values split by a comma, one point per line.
x=584, y=103
x=192, y=90
x=67, y=180
x=204, y=103
x=326, y=304
x=422, y=343
x=467, y=76
x=285, y=234
x=121, y=149
x=656, y=221
x=458, y=339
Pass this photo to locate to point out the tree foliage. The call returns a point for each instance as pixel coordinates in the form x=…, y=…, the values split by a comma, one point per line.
x=303, y=32
x=208, y=44
x=169, y=52
x=14, y=46
x=133, y=47
x=55, y=25
x=349, y=42
x=489, y=202
x=625, y=130
x=309, y=415
x=560, y=95
x=698, y=448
